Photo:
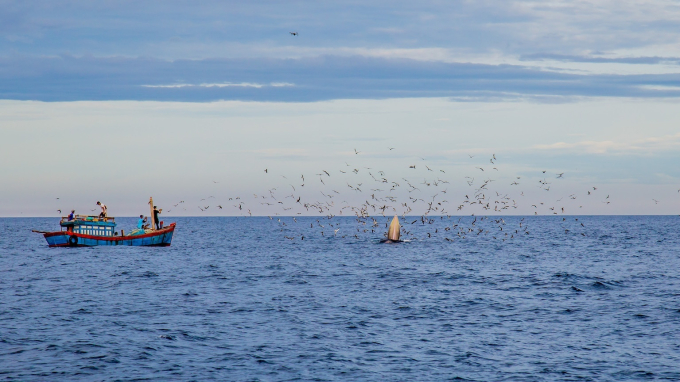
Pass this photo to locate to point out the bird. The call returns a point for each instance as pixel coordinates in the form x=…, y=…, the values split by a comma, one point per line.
x=59, y=211
x=391, y=148
x=356, y=152
x=265, y=171
x=293, y=33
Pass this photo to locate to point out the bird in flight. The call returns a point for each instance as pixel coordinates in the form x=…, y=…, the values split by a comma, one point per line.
x=356, y=152
x=293, y=33
x=59, y=211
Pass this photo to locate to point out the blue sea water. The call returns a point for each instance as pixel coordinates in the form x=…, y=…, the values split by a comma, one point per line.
x=246, y=299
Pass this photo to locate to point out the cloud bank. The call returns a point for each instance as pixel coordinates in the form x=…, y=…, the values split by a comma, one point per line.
x=184, y=51
x=69, y=78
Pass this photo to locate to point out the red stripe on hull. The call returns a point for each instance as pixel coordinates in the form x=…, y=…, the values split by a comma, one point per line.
x=78, y=245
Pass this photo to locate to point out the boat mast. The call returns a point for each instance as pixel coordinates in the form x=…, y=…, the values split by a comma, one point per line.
x=153, y=221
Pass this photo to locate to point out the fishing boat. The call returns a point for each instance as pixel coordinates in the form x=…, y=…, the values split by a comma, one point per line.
x=88, y=231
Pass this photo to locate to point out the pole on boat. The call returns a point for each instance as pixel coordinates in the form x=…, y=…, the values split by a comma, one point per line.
x=153, y=221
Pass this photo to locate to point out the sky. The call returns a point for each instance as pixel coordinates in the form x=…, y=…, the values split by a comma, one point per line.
x=119, y=101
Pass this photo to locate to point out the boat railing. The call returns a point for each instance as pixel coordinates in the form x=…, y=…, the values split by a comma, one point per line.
x=88, y=218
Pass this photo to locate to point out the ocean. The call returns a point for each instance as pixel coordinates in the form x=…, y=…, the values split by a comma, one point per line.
x=540, y=298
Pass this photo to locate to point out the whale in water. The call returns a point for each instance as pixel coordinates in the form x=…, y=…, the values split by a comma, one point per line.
x=393, y=232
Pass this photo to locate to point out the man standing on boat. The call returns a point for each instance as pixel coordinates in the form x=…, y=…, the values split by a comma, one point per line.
x=103, y=213
x=72, y=215
x=156, y=211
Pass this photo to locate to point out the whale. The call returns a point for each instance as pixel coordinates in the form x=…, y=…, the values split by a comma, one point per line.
x=393, y=232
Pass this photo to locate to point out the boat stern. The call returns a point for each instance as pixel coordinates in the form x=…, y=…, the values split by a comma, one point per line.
x=57, y=239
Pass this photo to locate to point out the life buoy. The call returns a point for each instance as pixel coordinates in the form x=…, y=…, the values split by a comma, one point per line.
x=73, y=241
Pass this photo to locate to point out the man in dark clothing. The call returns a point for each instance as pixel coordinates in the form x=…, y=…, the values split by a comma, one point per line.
x=156, y=211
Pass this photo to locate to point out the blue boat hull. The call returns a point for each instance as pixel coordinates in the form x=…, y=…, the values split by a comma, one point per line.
x=162, y=238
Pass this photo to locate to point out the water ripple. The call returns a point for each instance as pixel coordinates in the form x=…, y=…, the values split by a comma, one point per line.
x=231, y=299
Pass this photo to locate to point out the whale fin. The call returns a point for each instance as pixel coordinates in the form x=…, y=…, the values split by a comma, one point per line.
x=394, y=231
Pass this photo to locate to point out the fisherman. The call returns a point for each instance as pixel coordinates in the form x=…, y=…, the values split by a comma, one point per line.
x=141, y=221
x=72, y=215
x=156, y=211
x=103, y=207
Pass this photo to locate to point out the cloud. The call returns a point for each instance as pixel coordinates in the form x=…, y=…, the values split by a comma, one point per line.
x=177, y=29
x=547, y=51
x=221, y=85
x=643, y=146
x=599, y=59
x=69, y=78
x=661, y=87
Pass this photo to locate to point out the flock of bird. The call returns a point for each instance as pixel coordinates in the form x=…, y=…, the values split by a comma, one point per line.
x=423, y=198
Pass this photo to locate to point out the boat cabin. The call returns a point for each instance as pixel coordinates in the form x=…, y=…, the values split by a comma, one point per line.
x=89, y=225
